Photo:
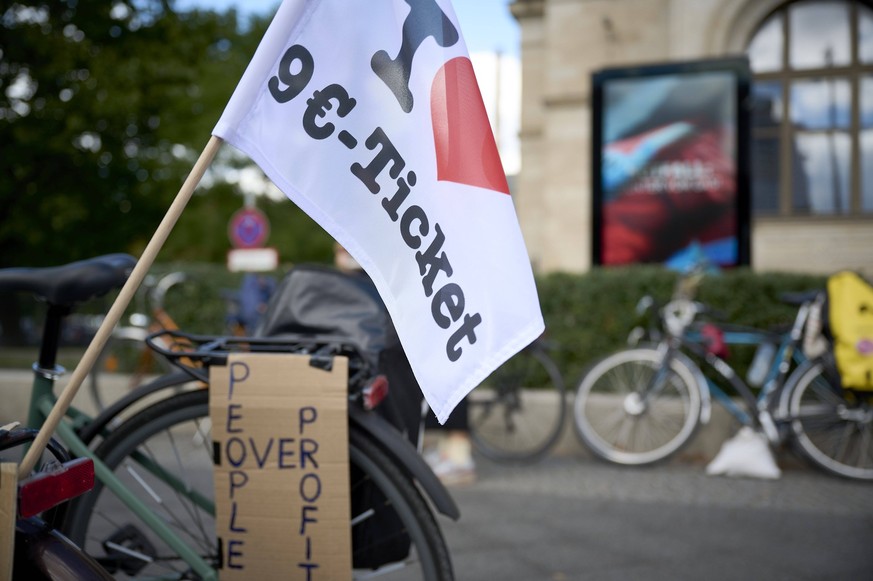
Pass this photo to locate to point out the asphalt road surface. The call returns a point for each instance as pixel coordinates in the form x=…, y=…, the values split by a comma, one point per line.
x=567, y=519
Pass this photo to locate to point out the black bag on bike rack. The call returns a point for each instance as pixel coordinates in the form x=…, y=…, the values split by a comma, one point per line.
x=313, y=299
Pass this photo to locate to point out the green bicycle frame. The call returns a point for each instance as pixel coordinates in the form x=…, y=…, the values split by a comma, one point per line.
x=41, y=402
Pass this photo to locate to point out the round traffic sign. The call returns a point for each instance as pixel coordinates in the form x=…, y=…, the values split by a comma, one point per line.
x=248, y=228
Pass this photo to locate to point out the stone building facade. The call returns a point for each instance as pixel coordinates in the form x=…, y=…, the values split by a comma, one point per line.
x=564, y=41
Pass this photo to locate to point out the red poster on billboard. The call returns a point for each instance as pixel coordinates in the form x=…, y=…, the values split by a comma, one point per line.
x=670, y=171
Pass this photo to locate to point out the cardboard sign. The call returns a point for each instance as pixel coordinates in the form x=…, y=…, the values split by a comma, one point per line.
x=280, y=437
x=8, y=510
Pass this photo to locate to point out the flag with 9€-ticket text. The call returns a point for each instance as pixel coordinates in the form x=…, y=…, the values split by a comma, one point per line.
x=368, y=116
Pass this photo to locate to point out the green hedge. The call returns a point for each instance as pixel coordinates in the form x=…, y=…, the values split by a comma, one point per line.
x=199, y=305
x=587, y=315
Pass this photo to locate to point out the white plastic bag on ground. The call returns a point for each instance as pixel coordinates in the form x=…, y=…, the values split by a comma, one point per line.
x=746, y=454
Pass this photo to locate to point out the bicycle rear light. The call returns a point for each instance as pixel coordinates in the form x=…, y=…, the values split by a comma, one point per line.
x=47, y=489
x=375, y=391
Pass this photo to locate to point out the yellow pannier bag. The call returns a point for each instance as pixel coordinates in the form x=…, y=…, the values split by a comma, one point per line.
x=850, y=317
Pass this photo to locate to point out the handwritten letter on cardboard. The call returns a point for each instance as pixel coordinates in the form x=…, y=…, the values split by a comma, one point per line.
x=280, y=435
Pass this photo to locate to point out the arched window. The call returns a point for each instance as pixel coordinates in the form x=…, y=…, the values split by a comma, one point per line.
x=812, y=126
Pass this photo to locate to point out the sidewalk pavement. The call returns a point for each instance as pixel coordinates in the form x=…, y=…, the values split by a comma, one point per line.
x=15, y=387
x=15, y=390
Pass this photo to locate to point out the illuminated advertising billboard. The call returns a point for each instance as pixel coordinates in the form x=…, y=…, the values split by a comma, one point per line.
x=670, y=164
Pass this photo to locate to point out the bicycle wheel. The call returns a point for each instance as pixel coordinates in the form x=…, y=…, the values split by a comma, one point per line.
x=125, y=362
x=517, y=413
x=621, y=420
x=832, y=428
x=175, y=434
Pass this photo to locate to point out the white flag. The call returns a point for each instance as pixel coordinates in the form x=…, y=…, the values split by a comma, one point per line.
x=367, y=114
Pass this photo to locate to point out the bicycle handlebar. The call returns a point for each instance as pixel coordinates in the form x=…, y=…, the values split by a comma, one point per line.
x=800, y=298
x=678, y=314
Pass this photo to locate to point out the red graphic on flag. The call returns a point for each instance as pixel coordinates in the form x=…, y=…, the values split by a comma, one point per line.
x=465, y=148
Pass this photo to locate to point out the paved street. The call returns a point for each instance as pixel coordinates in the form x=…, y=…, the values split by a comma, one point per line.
x=571, y=518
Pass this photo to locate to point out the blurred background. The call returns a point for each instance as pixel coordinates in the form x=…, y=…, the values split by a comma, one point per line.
x=105, y=106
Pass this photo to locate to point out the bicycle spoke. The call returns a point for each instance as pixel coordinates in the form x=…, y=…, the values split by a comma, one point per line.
x=193, y=513
x=629, y=380
x=663, y=427
x=381, y=571
x=625, y=431
x=362, y=517
x=124, y=550
x=168, y=515
x=841, y=445
x=864, y=452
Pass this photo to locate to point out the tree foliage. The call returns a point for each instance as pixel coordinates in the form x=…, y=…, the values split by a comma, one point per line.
x=104, y=107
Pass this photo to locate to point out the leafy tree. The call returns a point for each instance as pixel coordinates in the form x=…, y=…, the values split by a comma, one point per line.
x=103, y=108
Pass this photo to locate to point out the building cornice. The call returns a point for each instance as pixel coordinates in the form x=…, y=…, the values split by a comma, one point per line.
x=528, y=9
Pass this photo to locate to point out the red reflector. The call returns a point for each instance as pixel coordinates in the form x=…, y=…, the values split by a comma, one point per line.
x=375, y=391
x=47, y=489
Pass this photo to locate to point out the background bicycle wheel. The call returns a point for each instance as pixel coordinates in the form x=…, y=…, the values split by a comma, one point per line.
x=125, y=362
x=517, y=414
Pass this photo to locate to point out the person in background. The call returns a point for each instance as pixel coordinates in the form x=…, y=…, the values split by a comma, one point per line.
x=246, y=304
x=451, y=455
x=447, y=448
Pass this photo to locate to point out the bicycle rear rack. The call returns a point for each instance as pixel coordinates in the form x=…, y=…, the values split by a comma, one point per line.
x=194, y=354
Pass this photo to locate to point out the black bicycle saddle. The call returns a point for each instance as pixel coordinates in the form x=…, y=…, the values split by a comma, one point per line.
x=71, y=283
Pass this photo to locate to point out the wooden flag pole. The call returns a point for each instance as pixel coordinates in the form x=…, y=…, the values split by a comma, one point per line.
x=119, y=306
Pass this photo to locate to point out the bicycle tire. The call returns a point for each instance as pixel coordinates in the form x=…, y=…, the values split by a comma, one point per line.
x=612, y=421
x=831, y=427
x=164, y=424
x=124, y=363
x=518, y=413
